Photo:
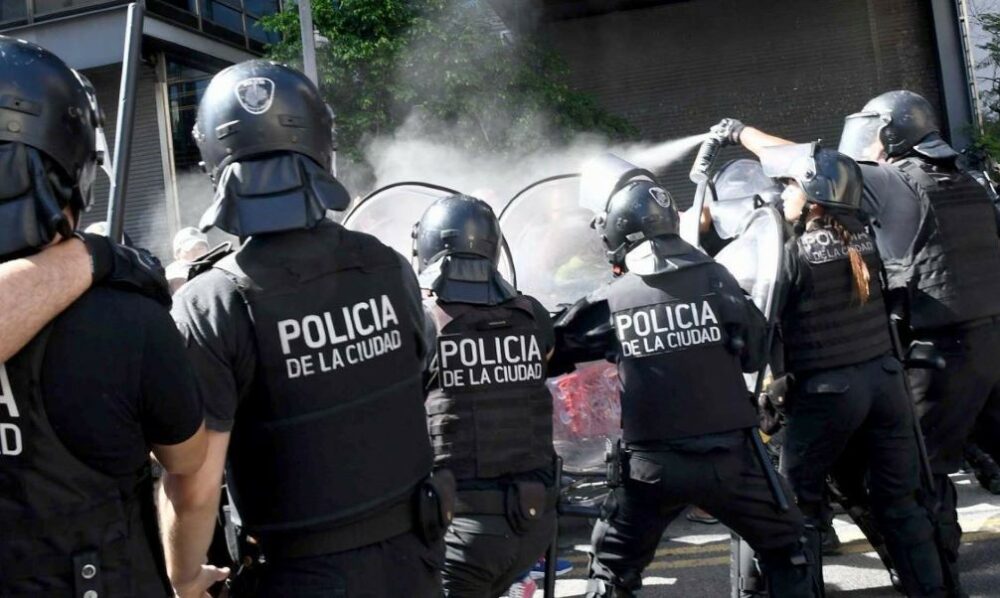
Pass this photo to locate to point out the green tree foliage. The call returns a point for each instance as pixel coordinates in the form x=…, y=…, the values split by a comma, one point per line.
x=444, y=64
x=988, y=139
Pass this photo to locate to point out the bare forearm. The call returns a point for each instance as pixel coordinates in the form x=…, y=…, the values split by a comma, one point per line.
x=34, y=290
x=756, y=140
x=187, y=530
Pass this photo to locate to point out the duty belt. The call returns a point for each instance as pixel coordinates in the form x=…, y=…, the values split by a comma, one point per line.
x=493, y=502
x=392, y=522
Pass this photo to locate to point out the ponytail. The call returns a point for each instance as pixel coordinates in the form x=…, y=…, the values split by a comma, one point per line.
x=859, y=269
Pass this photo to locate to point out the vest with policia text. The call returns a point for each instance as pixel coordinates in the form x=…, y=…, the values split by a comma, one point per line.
x=66, y=529
x=952, y=270
x=824, y=324
x=334, y=430
x=678, y=374
x=489, y=411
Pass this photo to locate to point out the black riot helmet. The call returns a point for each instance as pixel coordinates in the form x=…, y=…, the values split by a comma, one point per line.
x=48, y=106
x=259, y=107
x=639, y=210
x=457, y=225
x=898, y=123
x=828, y=177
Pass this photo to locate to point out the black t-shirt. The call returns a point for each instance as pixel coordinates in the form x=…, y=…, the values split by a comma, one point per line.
x=221, y=343
x=115, y=381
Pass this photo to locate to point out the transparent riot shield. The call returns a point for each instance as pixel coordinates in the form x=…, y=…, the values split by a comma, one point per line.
x=755, y=259
x=560, y=259
x=734, y=189
x=391, y=212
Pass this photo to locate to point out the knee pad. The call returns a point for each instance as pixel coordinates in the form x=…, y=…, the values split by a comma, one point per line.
x=910, y=541
x=946, y=517
x=903, y=519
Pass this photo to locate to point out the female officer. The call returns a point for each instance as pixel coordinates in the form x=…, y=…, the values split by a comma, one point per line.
x=848, y=395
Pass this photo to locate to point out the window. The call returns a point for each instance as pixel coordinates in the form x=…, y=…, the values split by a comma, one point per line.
x=185, y=88
x=13, y=10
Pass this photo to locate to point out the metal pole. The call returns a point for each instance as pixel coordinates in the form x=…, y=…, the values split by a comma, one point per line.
x=309, y=56
x=970, y=62
x=308, y=41
x=552, y=554
x=131, y=56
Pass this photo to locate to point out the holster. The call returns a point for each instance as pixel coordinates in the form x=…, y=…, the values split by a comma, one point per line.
x=520, y=502
x=435, y=506
x=525, y=504
x=616, y=461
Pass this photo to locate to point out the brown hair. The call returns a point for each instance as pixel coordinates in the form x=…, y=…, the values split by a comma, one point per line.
x=859, y=269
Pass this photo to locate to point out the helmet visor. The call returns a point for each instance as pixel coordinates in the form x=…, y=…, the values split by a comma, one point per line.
x=793, y=161
x=736, y=186
x=860, y=139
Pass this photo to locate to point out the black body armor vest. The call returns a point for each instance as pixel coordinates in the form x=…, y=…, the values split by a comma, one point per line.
x=679, y=376
x=825, y=325
x=953, y=267
x=66, y=529
x=334, y=429
x=489, y=411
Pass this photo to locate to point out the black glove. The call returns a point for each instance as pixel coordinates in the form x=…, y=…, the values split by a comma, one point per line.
x=126, y=268
x=771, y=404
x=728, y=130
x=583, y=333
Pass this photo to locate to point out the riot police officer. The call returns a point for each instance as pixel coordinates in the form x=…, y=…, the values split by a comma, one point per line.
x=308, y=344
x=682, y=332
x=489, y=411
x=848, y=390
x=101, y=384
x=937, y=233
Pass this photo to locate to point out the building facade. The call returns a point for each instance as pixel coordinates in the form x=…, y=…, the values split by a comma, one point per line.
x=672, y=67
x=185, y=42
x=791, y=67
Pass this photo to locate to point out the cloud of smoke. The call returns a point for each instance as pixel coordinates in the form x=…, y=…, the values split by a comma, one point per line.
x=412, y=154
x=503, y=144
x=194, y=196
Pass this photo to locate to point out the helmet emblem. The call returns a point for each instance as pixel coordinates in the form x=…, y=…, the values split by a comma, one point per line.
x=255, y=94
x=660, y=196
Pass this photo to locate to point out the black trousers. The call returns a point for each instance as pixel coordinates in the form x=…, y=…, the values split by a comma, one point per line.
x=484, y=555
x=728, y=483
x=400, y=566
x=858, y=417
x=961, y=400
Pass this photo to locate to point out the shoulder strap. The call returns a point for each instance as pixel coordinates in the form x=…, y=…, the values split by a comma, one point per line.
x=913, y=171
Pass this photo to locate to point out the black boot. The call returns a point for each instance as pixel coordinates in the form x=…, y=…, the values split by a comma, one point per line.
x=983, y=467
x=794, y=572
x=599, y=588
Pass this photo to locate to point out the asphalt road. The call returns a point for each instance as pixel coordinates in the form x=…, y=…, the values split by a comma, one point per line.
x=693, y=559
